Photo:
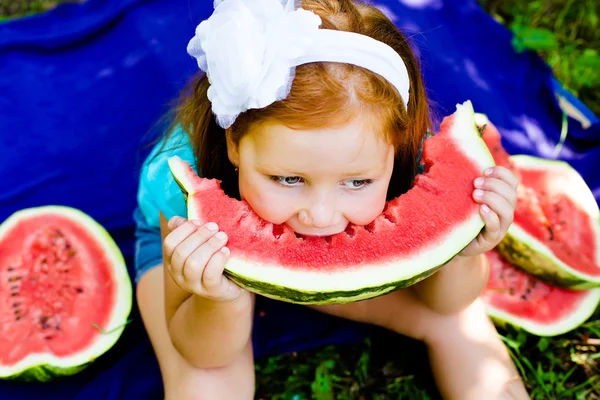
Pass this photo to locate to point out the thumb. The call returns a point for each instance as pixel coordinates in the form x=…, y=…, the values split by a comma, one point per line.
x=176, y=222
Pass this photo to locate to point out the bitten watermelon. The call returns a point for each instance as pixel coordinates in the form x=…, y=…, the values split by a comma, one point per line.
x=416, y=234
x=556, y=230
x=65, y=293
x=515, y=297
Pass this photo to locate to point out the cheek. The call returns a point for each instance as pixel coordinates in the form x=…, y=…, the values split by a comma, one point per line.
x=271, y=205
x=365, y=210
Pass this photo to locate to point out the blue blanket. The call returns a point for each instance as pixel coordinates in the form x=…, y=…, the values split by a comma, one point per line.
x=83, y=86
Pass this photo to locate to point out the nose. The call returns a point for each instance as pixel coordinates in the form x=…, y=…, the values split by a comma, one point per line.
x=320, y=213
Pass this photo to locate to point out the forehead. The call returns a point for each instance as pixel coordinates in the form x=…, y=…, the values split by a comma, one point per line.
x=356, y=145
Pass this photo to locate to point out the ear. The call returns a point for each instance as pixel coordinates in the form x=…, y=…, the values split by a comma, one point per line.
x=232, y=149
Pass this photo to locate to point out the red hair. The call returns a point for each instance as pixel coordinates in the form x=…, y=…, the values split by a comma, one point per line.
x=322, y=94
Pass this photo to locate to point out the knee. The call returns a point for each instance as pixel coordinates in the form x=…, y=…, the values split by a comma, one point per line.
x=459, y=322
x=450, y=308
x=229, y=383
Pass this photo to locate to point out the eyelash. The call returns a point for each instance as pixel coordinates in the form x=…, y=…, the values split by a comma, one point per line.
x=279, y=179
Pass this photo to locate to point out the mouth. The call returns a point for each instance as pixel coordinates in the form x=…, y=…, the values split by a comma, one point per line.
x=315, y=235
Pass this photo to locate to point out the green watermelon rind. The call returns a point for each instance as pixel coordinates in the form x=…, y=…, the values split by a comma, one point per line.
x=584, y=310
x=45, y=373
x=46, y=367
x=324, y=297
x=531, y=255
x=365, y=281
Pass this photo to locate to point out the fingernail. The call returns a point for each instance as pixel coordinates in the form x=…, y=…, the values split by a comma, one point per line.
x=211, y=226
x=478, y=193
x=485, y=209
x=225, y=250
x=220, y=235
x=488, y=171
x=196, y=222
x=479, y=182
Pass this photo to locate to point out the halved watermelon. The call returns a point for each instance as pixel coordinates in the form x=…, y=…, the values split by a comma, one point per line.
x=65, y=293
x=416, y=234
x=515, y=297
x=556, y=230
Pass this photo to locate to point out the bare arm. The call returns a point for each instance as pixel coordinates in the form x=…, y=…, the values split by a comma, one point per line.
x=455, y=286
x=207, y=333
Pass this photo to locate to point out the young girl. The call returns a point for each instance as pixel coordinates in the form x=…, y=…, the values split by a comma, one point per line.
x=315, y=116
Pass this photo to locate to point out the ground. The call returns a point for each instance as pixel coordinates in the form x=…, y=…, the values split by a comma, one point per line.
x=566, y=34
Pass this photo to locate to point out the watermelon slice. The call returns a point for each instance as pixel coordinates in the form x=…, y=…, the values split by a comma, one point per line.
x=65, y=293
x=556, y=231
x=417, y=232
x=517, y=298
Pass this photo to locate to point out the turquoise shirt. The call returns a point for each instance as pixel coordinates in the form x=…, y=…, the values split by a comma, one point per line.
x=158, y=190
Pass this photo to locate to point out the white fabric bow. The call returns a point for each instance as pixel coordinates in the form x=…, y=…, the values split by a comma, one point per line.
x=247, y=48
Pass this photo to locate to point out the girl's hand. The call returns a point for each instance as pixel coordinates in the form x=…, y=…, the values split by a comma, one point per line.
x=195, y=257
x=497, y=193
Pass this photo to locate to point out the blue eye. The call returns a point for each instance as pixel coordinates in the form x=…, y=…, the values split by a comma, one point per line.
x=287, y=180
x=358, y=183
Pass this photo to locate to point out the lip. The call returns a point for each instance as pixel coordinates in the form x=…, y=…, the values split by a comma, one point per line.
x=334, y=230
x=317, y=235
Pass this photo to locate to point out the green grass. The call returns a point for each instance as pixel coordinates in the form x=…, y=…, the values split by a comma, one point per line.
x=384, y=368
x=566, y=33
x=563, y=367
x=19, y=8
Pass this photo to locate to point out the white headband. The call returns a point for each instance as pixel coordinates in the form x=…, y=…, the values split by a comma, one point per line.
x=249, y=50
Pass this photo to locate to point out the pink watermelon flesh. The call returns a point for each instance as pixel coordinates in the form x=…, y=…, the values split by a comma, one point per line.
x=554, y=220
x=412, y=223
x=527, y=298
x=569, y=233
x=55, y=283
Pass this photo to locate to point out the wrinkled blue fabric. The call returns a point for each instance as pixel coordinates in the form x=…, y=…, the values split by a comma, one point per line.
x=83, y=86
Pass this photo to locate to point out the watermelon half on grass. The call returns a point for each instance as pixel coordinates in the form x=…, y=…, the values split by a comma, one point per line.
x=65, y=293
x=556, y=230
x=416, y=234
x=514, y=297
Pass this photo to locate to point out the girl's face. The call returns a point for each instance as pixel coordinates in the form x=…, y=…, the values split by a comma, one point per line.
x=315, y=181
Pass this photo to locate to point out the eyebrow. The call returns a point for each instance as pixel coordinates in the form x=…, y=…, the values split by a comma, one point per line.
x=356, y=173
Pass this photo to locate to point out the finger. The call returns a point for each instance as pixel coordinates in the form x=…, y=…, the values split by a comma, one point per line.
x=174, y=238
x=498, y=205
x=194, y=266
x=175, y=222
x=191, y=243
x=491, y=233
x=498, y=186
x=213, y=279
x=504, y=174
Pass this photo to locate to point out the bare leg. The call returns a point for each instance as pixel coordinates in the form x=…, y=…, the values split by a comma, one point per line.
x=181, y=380
x=468, y=359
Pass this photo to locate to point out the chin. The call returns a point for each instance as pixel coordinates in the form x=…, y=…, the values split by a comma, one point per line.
x=319, y=232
